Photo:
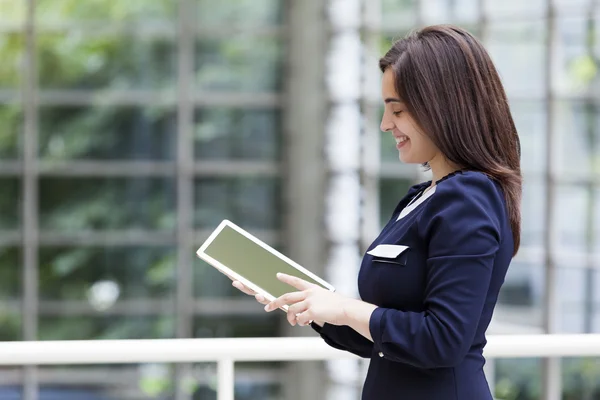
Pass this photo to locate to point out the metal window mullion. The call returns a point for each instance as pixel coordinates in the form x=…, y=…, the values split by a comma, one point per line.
x=30, y=200
x=185, y=179
x=551, y=371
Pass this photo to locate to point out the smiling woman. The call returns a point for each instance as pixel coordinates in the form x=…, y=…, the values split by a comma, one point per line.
x=429, y=282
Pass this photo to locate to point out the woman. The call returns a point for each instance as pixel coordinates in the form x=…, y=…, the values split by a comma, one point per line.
x=430, y=280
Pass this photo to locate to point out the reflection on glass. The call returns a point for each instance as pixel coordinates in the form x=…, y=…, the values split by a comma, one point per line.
x=13, y=12
x=398, y=14
x=596, y=223
x=239, y=13
x=391, y=191
x=11, y=53
x=106, y=382
x=73, y=204
x=520, y=300
x=107, y=327
x=107, y=133
x=239, y=63
x=578, y=138
x=517, y=49
x=10, y=292
x=533, y=212
x=10, y=203
x=50, y=11
x=252, y=203
x=11, y=130
x=575, y=287
x=576, y=66
x=530, y=121
x=581, y=378
x=101, y=277
x=75, y=60
x=449, y=11
x=519, y=378
x=510, y=9
x=224, y=133
x=210, y=283
x=571, y=213
x=239, y=326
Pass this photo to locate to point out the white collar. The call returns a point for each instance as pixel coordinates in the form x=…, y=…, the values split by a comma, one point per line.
x=414, y=204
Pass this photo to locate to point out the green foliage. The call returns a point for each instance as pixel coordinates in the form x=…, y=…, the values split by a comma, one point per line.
x=103, y=10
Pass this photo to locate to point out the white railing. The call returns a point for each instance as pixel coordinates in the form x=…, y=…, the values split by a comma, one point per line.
x=225, y=352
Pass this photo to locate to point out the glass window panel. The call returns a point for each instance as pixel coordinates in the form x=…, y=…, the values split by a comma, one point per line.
x=533, y=212
x=107, y=327
x=12, y=11
x=259, y=325
x=517, y=49
x=10, y=203
x=210, y=283
x=101, y=277
x=514, y=8
x=225, y=133
x=391, y=191
x=578, y=140
x=239, y=13
x=447, y=11
x=11, y=53
x=581, y=378
x=573, y=296
x=520, y=301
x=530, y=121
x=572, y=208
x=574, y=6
x=575, y=66
x=252, y=203
x=252, y=381
x=52, y=11
x=80, y=61
x=596, y=302
x=106, y=382
x=73, y=204
x=397, y=14
x=596, y=222
x=519, y=378
x=11, y=130
x=10, y=293
x=107, y=133
x=239, y=63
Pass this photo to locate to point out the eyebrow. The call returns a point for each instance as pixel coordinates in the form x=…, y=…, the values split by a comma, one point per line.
x=393, y=100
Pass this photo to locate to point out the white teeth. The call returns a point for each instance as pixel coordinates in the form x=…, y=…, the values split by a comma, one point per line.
x=401, y=139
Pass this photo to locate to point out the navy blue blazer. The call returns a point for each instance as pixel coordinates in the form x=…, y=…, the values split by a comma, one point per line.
x=434, y=272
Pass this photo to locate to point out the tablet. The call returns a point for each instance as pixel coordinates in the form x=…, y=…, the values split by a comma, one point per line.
x=237, y=253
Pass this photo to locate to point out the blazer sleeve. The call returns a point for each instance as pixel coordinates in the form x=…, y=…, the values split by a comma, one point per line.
x=345, y=338
x=461, y=232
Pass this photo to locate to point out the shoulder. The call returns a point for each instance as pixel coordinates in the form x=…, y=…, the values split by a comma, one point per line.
x=470, y=187
x=466, y=198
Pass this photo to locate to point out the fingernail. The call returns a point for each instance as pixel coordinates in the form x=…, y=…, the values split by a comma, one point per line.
x=267, y=307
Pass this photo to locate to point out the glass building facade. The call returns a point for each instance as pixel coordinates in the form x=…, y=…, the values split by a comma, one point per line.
x=172, y=115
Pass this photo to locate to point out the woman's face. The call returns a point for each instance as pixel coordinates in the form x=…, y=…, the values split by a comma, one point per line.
x=414, y=147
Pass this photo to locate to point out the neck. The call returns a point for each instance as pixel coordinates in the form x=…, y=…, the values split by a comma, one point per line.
x=440, y=167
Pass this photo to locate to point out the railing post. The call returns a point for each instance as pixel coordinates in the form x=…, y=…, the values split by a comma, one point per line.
x=226, y=381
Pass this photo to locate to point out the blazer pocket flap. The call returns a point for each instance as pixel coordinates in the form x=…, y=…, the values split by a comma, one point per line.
x=387, y=250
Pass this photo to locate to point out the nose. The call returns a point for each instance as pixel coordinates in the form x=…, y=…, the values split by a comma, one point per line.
x=386, y=123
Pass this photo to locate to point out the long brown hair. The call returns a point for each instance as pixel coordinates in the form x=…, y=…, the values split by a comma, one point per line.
x=452, y=90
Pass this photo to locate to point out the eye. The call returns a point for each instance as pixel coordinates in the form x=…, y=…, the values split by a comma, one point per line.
x=397, y=113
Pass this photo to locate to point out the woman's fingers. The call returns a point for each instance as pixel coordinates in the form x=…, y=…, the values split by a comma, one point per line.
x=261, y=299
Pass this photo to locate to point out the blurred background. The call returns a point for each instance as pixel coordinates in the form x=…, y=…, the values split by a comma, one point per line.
x=130, y=129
